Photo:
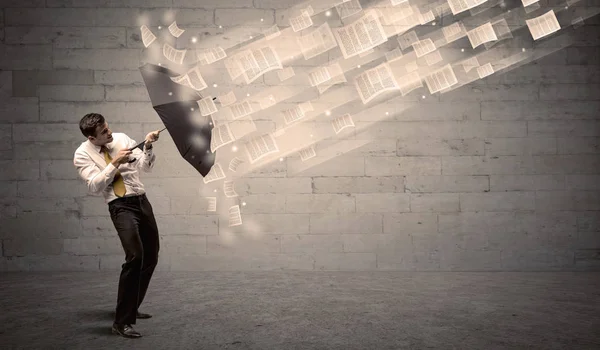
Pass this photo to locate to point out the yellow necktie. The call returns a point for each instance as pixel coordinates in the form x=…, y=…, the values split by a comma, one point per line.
x=118, y=183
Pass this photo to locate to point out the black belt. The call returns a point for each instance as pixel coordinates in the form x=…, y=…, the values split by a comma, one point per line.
x=127, y=199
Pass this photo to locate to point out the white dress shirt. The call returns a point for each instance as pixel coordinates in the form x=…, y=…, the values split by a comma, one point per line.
x=98, y=175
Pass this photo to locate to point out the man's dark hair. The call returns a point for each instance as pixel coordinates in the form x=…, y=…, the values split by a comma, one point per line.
x=90, y=123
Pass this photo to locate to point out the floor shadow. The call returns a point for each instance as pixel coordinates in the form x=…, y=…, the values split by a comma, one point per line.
x=100, y=330
x=97, y=315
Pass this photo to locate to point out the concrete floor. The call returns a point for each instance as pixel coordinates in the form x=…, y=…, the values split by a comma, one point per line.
x=308, y=310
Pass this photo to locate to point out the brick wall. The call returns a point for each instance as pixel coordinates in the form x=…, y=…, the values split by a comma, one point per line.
x=499, y=174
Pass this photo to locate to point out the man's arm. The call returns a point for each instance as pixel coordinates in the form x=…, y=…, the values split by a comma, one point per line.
x=96, y=180
x=145, y=158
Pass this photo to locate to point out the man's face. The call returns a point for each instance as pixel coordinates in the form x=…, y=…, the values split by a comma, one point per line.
x=103, y=135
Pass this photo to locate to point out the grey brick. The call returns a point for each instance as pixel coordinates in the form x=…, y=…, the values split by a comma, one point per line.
x=555, y=92
x=93, y=246
x=114, y=112
x=51, y=189
x=390, y=166
x=6, y=137
x=327, y=166
x=582, y=55
x=440, y=147
x=345, y=261
x=100, y=17
x=203, y=225
x=272, y=224
x=586, y=200
x=382, y=202
x=118, y=77
x=499, y=183
x=127, y=93
x=409, y=223
x=19, y=109
x=245, y=17
x=23, y=3
x=184, y=244
x=275, y=4
x=19, y=170
x=71, y=93
x=484, y=165
x=67, y=37
x=520, y=146
x=206, y=4
x=563, y=128
x=524, y=92
x=578, y=145
x=59, y=263
x=470, y=260
x=565, y=164
x=8, y=189
x=264, y=203
x=566, y=110
x=46, y=150
x=532, y=74
x=109, y=3
x=447, y=183
x=32, y=246
x=554, y=201
x=25, y=83
x=438, y=202
x=346, y=223
x=97, y=226
x=99, y=59
x=497, y=201
x=582, y=182
x=319, y=203
x=15, y=57
x=311, y=244
x=245, y=186
x=351, y=184
x=441, y=130
x=26, y=225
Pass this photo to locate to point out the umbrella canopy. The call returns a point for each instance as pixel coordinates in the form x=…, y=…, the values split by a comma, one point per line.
x=177, y=108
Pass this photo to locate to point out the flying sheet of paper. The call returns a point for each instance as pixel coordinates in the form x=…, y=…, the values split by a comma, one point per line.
x=261, y=146
x=227, y=98
x=307, y=153
x=441, y=79
x=172, y=54
x=410, y=82
x=235, y=216
x=147, y=36
x=235, y=163
x=207, y=106
x=212, y=203
x=543, y=25
x=301, y=22
x=175, y=30
x=215, y=173
x=229, y=189
x=342, y=122
x=221, y=136
x=485, y=70
x=423, y=47
x=482, y=34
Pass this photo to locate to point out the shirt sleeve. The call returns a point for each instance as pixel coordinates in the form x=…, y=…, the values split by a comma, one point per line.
x=145, y=158
x=96, y=180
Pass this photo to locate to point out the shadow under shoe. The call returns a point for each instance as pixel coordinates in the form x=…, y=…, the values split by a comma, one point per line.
x=125, y=330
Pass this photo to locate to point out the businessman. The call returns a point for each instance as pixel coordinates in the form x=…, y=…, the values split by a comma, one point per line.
x=110, y=164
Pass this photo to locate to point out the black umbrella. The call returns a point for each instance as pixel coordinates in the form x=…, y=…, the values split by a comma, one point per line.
x=177, y=108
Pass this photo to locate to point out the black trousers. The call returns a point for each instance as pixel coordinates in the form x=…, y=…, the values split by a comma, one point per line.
x=134, y=221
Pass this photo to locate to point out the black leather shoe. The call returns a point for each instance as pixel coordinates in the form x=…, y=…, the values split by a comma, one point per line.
x=142, y=315
x=125, y=330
